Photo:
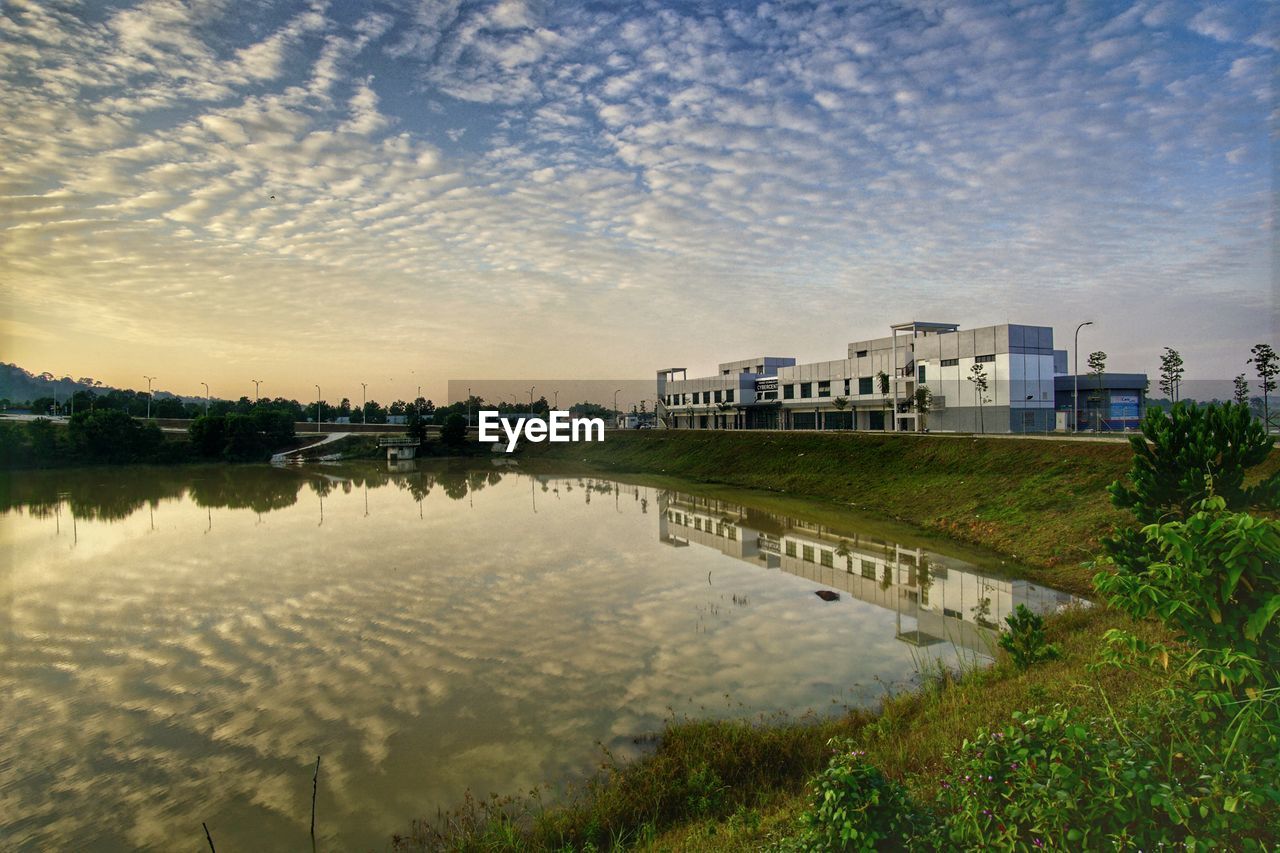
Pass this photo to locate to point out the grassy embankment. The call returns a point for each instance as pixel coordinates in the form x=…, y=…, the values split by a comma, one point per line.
x=741, y=785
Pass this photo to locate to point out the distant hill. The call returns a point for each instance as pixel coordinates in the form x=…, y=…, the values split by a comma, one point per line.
x=22, y=386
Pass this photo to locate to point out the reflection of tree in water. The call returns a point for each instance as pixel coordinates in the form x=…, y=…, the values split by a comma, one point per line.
x=100, y=494
x=260, y=489
x=454, y=484
x=113, y=494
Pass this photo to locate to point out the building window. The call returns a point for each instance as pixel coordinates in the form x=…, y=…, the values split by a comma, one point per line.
x=864, y=385
x=951, y=362
x=868, y=569
x=846, y=387
x=718, y=395
x=861, y=354
x=788, y=392
x=984, y=359
x=920, y=374
x=731, y=533
x=728, y=396
x=824, y=389
x=828, y=559
x=791, y=548
x=808, y=553
x=806, y=390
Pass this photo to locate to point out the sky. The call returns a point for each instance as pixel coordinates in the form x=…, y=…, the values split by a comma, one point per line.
x=402, y=193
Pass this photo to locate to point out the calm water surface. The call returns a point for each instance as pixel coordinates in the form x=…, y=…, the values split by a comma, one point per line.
x=181, y=644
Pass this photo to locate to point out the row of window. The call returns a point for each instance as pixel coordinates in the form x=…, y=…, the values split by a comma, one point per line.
x=719, y=528
x=866, y=385
x=698, y=397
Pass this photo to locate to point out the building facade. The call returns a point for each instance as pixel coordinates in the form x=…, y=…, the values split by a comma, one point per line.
x=922, y=376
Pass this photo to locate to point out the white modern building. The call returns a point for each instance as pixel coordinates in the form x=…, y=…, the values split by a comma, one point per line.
x=997, y=379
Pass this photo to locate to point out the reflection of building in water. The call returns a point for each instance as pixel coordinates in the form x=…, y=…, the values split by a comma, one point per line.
x=937, y=598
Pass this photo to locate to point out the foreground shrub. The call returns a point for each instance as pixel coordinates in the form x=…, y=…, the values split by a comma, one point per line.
x=1025, y=640
x=1059, y=780
x=854, y=807
x=1215, y=579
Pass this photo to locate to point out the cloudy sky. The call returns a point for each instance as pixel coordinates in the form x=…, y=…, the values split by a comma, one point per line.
x=338, y=192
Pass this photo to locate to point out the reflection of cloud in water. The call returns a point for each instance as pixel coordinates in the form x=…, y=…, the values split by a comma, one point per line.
x=163, y=678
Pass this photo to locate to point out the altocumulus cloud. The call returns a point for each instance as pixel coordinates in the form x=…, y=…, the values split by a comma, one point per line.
x=601, y=170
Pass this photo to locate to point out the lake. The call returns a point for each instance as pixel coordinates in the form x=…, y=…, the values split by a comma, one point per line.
x=183, y=643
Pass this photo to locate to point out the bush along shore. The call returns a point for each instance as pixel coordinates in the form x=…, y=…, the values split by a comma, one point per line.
x=1151, y=719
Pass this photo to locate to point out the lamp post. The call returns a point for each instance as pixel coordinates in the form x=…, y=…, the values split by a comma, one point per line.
x=615, y=407
x=256, y=394
x=317, y=408
x=468, y=407
x=364, y=401
x=1075, y=380
x=557, y=403
x=417, y=407
x=531, y=387
x=148, y=378
x=206, y=398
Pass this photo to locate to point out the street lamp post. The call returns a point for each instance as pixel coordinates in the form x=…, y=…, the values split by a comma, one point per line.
x=468, y=408
x=417, y=407
x=257, y=395
x=557, y=403
x=148, y=378
x=206, y=398
x=615, y=407
x=1075, y=380
x=317, y=408
x=364, y=401
x=531, y=387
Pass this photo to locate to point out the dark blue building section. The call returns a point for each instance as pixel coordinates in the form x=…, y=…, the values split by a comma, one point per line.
x=1111, y=403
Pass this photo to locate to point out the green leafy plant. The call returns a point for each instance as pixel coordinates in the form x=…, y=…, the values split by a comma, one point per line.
x=1025, y=640
x=1060, y=779
x=854, y=807
x=1214, y=579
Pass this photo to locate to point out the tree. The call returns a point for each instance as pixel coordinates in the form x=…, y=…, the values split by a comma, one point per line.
x=1265, y=363
x=978, y=376
x=841, y=403
x=208, y=434
x=1170, y=373
x=1097, y=367
x=416, y=426
x=923, y=403
x=882, y=385
x=454, y=432
x=111, y=436
x=1182, y=458
x=1240, y=390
